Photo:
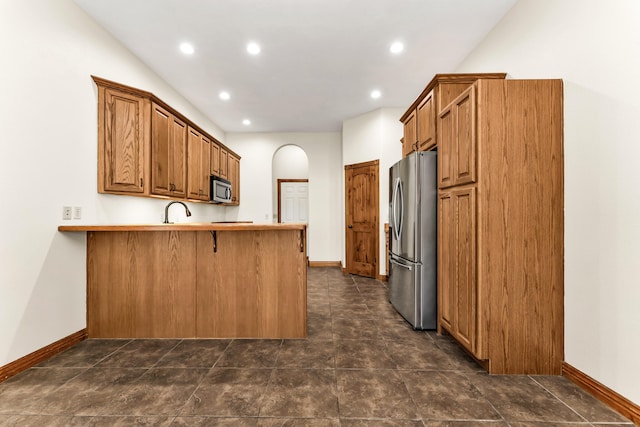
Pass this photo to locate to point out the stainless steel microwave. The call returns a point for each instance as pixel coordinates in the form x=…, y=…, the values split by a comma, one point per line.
x=220, y=190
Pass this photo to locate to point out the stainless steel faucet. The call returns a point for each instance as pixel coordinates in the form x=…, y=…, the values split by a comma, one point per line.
x=166, y=211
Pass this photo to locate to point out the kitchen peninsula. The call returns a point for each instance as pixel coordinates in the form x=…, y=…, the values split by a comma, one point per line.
x=195, y=280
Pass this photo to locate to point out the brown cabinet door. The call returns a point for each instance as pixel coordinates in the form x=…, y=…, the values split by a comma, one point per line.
x=168, y=153
x=205, y=168
x=457, y=141
x=160, y=135
x=446, y=261
x=123, y=143
x=224, y=159
x=446, y=144
x=409, y=141
x=234, y=177
x=194, y=152
x=465, y=130
x=426, y=123
x=198, y=158
x=457, y=281
x=178, y=157
x=466, y=304
x=215, y=158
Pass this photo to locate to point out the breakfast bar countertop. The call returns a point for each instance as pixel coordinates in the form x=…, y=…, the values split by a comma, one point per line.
x=186, y=226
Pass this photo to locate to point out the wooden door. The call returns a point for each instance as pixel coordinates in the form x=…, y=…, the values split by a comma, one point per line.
x=198, y=165
x=426, y=123
x=464, y=162
x=160, y=125
x=466, y=305
x=446, y=261
x=194, y=151
x=205, y=167
x=234, y=177
x=446, y=144
x=215, y=158
x=122, y=142
x=361, y=212
x=409, y=140
x=178, y=157
x=224, y=159
x=168, y=153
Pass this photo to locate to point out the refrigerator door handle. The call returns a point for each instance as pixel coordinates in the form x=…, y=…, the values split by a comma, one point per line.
x=393, y=261
x=401, y=209
x=397, y=191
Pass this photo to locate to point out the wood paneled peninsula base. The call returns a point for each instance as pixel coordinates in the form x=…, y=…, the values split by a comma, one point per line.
x=196, y=280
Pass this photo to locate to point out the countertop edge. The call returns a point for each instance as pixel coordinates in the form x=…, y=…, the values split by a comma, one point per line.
x=184, y=227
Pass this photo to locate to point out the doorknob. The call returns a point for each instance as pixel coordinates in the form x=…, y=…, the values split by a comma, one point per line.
x=350, y=226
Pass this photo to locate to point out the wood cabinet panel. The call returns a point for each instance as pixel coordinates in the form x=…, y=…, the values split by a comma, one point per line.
x=215, y=158
x=464, y=161
x=185, y=284
x=503, y=300
x=224, y=163
x=252, y=285
x=168, y=153
x=426, y=123
x=457, y=141
x=123, y=139
x=410, y=138
x=234, y=177
x=521, y=246
x=141, y=284
x=446, y=262
x=457, y=266
x=466, y=304
x=446, y=147
x=198, y=165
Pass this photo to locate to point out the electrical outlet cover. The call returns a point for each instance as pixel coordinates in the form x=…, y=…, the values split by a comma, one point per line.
x=66, y=212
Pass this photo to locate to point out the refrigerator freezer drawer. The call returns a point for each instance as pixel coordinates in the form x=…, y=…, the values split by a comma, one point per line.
x=411, y=295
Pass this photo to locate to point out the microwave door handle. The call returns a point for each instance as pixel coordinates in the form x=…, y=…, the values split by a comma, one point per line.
x=227, y=193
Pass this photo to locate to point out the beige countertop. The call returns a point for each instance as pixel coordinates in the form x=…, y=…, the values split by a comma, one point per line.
x=185, y=226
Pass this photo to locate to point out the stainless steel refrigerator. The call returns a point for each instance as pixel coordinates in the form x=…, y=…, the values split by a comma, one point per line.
x=413, y=193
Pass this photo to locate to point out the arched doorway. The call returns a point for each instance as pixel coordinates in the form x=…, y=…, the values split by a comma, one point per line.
x=290, y=172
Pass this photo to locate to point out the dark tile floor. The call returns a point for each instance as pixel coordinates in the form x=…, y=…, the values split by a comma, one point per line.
x=362, y=365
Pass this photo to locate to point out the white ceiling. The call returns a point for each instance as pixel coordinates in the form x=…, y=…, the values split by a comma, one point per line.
x=320, y=59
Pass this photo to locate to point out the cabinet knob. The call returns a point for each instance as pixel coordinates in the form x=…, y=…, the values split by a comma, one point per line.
x=350, y=226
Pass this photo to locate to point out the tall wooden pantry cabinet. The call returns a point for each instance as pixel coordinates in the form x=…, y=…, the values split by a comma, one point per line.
x=500, y=218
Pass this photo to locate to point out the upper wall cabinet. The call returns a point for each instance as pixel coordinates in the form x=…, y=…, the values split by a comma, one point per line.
x=420, y=124
x=199, y=153
x=146, y=148
x=123, y=138
x=168, y=153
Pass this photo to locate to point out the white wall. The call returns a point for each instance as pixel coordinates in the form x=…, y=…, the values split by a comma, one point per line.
x=48, y=158
x=595, y=47
x=325, y=192
x=374, y=136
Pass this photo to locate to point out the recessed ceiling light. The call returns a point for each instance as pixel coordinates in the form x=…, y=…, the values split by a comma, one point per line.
x=187, y=48
x=246, y=122
x=253, y=48
x=375, y=94
x=224, y=95
x=396, y=47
